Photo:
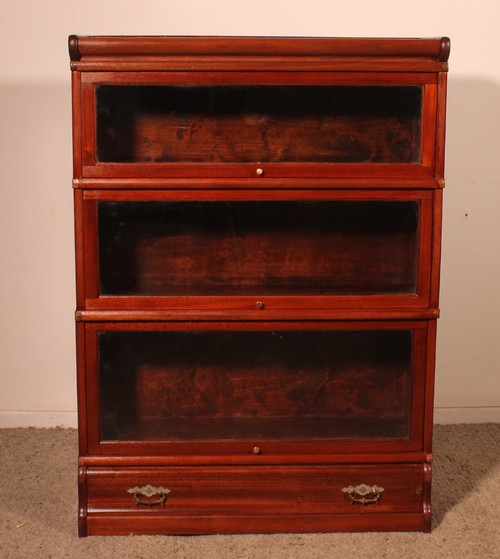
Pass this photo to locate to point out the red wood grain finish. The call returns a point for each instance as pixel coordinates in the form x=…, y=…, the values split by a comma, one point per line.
x=107, y=525
x=252, y=459
x=286, y=184
x=441, y=124
x=82, y=388
x=258, y=53
x=80, y=255
x=429, y=387
x=250, y=314
x=218, y=490
x=437, y=48
x=262, y=493
x=77, y=123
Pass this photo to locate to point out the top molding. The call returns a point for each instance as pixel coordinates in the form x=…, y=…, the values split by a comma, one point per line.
x=258, y=53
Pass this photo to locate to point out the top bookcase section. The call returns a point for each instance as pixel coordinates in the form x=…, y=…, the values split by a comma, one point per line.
x=258, y=112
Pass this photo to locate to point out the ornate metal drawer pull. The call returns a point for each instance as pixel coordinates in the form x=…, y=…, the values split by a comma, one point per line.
x=364, y=494
x=144, y=495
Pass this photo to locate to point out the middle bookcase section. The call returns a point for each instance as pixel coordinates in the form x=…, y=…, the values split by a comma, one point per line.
x=154, y=250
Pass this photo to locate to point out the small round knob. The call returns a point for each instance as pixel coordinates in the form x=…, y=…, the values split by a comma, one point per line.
x=259, y=304
x=256, y=450
x=259, y=172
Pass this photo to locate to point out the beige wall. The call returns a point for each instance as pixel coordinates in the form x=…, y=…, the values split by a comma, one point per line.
x=37, y=365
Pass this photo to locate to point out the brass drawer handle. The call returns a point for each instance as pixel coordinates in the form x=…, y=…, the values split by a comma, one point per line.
x=149, y=496
x=364, y=494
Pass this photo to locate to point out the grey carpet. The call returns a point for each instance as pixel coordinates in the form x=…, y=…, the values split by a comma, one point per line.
x=38, y=496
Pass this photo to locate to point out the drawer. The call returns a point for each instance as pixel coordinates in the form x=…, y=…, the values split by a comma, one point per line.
x=253, y=490
x=261, y=499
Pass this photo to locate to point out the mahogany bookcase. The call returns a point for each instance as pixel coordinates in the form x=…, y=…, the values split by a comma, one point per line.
x=258, y=225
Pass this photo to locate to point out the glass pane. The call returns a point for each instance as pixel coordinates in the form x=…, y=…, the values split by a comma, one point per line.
x=255, y=385
x=257, y=123
x=258, y=248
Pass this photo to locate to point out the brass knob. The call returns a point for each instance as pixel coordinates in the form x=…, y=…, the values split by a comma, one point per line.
x=259, y=304
x=260, y=171
x=256, y=450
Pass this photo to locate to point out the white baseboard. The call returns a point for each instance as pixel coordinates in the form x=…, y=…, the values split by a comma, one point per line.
x=68, y=419
x=486, y=414
x=12, y=419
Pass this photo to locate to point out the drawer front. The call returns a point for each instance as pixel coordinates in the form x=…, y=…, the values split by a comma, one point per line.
x=261, y=491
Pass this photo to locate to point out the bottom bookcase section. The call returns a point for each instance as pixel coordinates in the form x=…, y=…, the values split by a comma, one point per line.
x=173, y=383
x=257, y=499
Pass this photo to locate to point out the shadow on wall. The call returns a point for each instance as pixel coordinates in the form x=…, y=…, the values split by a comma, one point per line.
x=473, y=121
x=36, y=223
x=36, y=133
x=468, y=353
x=36, y=244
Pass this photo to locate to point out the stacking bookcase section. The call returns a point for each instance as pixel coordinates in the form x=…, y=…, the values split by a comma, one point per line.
x=171, y=383
x=286, y=124
x=233, y=249
x=258, y=230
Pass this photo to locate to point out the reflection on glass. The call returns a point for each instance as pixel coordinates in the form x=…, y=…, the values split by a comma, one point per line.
x=258, y=248
x=271, y=385
x=258, y=123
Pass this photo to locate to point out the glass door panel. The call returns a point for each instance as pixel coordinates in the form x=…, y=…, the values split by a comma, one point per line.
x=258, y=248
x=255, y=385
x=258, y=123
